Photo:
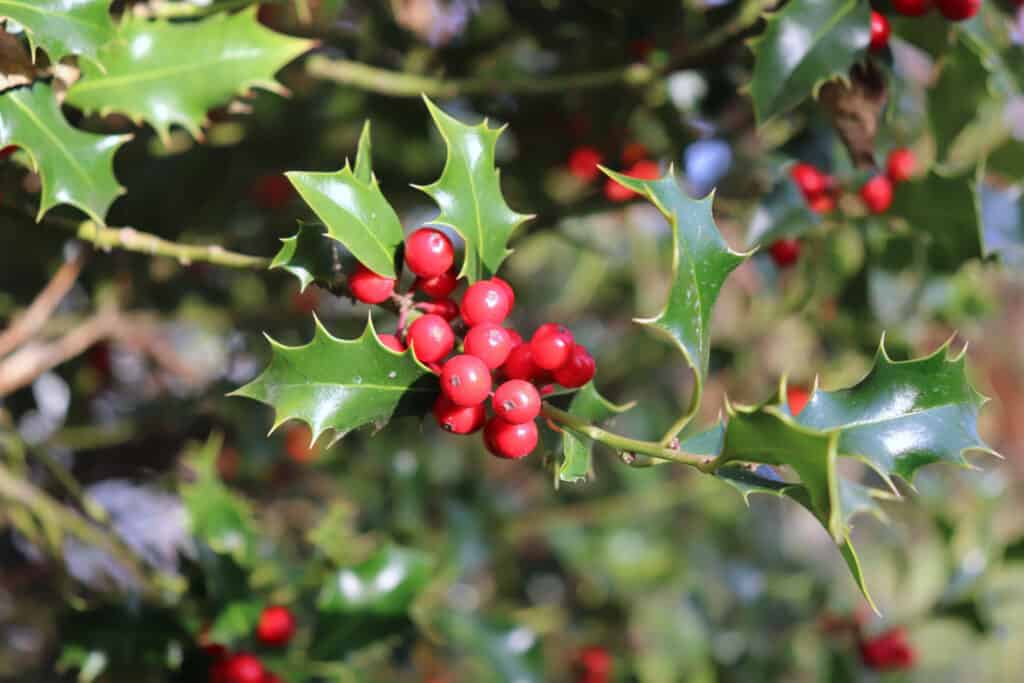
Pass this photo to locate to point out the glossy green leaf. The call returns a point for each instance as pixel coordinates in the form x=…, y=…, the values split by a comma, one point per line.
x=701, y=261
x=364, y=156
x=589, y=405
x=63, y=27
x=236, y=622
x=337, y=384
x=76, y=168
x=386, y=584
x=903, y=415
x=496, y=649
x=174, y=73
x=945, y=212
x=308, y=255
x=469, y=194
x=953, y=101
x=805, y=44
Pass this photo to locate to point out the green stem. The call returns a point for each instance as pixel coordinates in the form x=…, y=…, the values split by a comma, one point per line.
x=623, y=444
x=131, y=239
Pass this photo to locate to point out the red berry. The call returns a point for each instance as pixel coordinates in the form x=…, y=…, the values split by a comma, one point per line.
x=958, y=10
x=445, y=308
x=889, y=651
x=595, y=662
x=368, y=287
x=644, y=170
x=490, y=343
x=8, y=151
x=243, y=668
x=633, y=152
x=901, y=165
x=439, y=286
x=877, y=194
x=520, y=364
x=583, y=163
x=485, y=302
x=516, y=401
x=270, y=677
x=552, y=346
x=458, y=419
x=429, y=252
x=276, y=626
x=785, y=252
x=615, y=192
x=272, y=192
x=912, y=8
x=392, y=342
x=797, y=398
x=508, y=290
x=431, y=338
x=880, y=31
x=507, y=440
x=466, y=380
x=823, y=203
x=809, y=180
x=517, y=338
x=578, y=370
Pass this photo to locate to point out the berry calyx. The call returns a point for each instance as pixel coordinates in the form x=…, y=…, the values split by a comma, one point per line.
x=877, y=194
x=458, y=419
x=466, y=380
x=578, y=370
x=516, y=401
x=276, y=626
x=880, y=31
x=507, y=440
x=243, y=668
x=439, y=286
x=431, y=338
x=901, y=165
x=552, y=346
x=392, y=342
x=810, y=181
x=490, y=343
x=369, y=287
x=958, y=10
x=485, y=302
x=785, y=252
x=912, y=8
x=429, y=252
x=583, y=163
x=520, y=365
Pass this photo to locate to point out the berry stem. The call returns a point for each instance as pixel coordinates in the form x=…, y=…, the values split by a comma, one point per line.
x=625, y=444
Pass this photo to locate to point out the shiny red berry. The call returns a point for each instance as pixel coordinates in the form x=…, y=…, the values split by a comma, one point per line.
x=810, y=181
x=445, y=308
x=520, y=364
x=796, y=399
x=583, y=163
x=578, y=370
x=429, y=252
x=785, y=252
x=958, y=10
x=485, y=302
x=369, y=287
x=439, y=286
x=823, y=203
x=431, y=338
x=508, y=290
x=516, y=401
x=276, y=626
x=912, y=8
x=877, y=194
x=243, y=668
x=507, y=440
x=392, y=342
x=880, y=31
x=901, y=165
x=517, y=338
x=595, y=662
x=458, y=419
x=466, y=380
x=552, y=346
x=490, y=343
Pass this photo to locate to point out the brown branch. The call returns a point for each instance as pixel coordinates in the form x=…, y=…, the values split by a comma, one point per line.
x=39, y=311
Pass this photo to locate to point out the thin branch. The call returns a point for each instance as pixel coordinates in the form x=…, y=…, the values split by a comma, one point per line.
x=28, y=324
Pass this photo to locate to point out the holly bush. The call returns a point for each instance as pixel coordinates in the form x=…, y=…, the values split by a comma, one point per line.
x=532, y=298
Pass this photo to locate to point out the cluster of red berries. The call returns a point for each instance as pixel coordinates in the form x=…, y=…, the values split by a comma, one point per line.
x=275, y=628
x=953, y=10
x=488, y=348
x=583, y=164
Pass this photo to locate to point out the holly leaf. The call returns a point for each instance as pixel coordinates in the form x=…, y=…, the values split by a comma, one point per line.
x=701, y=261
x=783, y=212
x=63, y=27
x=218, y=57
x=469, y=194
x=386, y=584
x=307, y=255
x=364, y=153
x=589, y=405
x=946, y=212
x=75, y=168
x=805, y=44
x=338, y=384
x=953, y=102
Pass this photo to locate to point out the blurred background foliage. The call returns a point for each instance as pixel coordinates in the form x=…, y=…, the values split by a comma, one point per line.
x=493, y=574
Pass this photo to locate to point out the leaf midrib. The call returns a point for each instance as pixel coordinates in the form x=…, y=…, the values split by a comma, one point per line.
x=108, y=82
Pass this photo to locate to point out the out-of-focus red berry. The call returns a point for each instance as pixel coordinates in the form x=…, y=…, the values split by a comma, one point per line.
x=298, y=443
x=583, y=163
x=889, y=651
x=272, y=192
x=797, y=398
x=785, y=252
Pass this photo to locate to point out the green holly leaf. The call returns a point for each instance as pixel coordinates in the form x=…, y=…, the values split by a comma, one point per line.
x=469, y=194
x=805, y=44
x=308, y=255
x=76, y=168
x=236, y=622
x=364, y=155
x=701, y=261
x=63, y=27
x=953, y=102
x=945, y=212
x=218, y=57
x=339, y=384
x=386, y=584
x=589, y=405
x=904, y=414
